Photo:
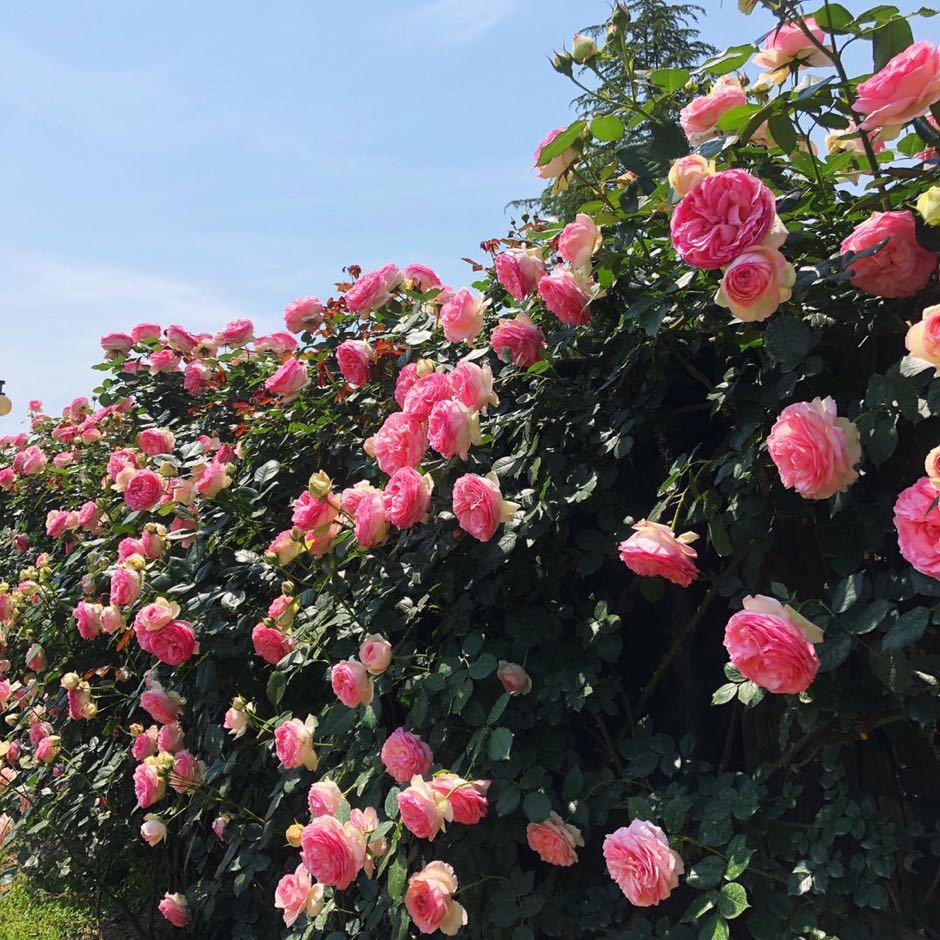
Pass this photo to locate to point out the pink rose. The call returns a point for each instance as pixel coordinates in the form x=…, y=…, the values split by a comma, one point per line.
x=64, y=458
x=149, y=786
x=567, y=294
x=932, y=465
x=197, y=378
x=370, y=525
x=519, y=270
x=462, y=316
x=125, y=587
x=354, y=358
x=323, y=798
x=557, y=165
x=901, y=268
x=654, y=549
x=452, y=429
x=721, y=217
x=917, y=521
x=515, y=680
x=152, y=830
x=7, y=478
x=47, y=749
x=284, y=548
x=119, y=344
x=296, y=894
x=160, y=705
x=235, y=721
x=175, y=643
x=401, y=442
x=375, y=653
x=293, y=741
x=278, y=343
x=407, y=497
x=87, y=619
x=788, y=45
x=472, y=385
x=271, y=644
x=425, y=392
x=170, y=738
x=479, y=505
x=163, y=360
x=640, y=860
x=923, y=338
x=175, y=909
x=423, y=811
x=156, y=616
x=187, y=772
x=289, y=380
x=814, y=450
x=57, y=523
x=422, y=277
x=282, y=610
x=36, y=658
x=756, y=283
x=89, y=515
x=405, y=756
x=145, y=331
x=304, y=313
x=405, y=382
x=153, y=541
x=903, y=90
x=351, y=683
x=430, y=903
x=467, y=798
x=518, y=339
x=29, y=462
x=180, y=340
x=143, y=490
x=686, y=172
x=214, y=478
x=334, y=853
x=373, y=290
x=312, y=513
x=699, y=118
x=772, y=645
x=579, y=240
x=235, y=334
x=554, y=840
x=156, y=441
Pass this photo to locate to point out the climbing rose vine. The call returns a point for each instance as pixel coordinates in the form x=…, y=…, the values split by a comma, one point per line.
x=410, y=618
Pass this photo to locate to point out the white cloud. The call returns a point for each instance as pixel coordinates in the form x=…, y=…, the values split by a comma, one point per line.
x=456, y=22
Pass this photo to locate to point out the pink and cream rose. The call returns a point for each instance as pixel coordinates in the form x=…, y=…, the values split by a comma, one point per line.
x=519, y=270
x=293, y=742
x=289, y=380
x=149, y=785
x=296, y=894
x=579, y=241
x=144, y=490
x=699, y=118
x=175, y=909
x=514, y=679
x=304, y=313
x=407, y=497
x=472, y=385
x=323, y=798
x=519, y=340
x=556, y=166
x=429, y=900
x=401, y=441
x=423, y=811
x=271, y=644
x=788, y=46
x=453, y=429
x=334, y=853
x=641, y=861
x=756, y=283
x=687, y=172
x=462, y=316
x=405, y=755
x=354, y=358
x=917, y=521
x=479, y=505
x=425, y=393
x=351, y=683
x=467, y=798
x=567, y=294
x=654, y=549
x=554, y=840
x=373, y=290
x=375, y=653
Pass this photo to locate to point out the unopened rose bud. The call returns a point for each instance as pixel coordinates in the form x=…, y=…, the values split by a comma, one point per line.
x=152, y=830
x=515, y=679
x=424, y=367
x=561, y=63
x=238, y=703
x=583, y=48
x=70, y=681
x=135, y=729
x=293, y=834
x=167, y=469
x=11, y=720
x=319, y=484
x=90, y=710
x=122, y=674
x=928, y=205
x=287, y=588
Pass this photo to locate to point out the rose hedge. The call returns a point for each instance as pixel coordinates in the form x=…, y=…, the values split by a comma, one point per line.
x=417, y=624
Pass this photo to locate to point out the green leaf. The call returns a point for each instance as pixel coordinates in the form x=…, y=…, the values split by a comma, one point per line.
x=733, y=901
x=267, y=471
x=870, y=617
x=707, y=873
x=833, y=17
x=483, y=667
x=735, y=118
x=499, y=744
x=715, y=928
x=561, y=143
x=719, y=535
x=669, y=79
x=908, y=628
x=607, y=127
x=729, y=60
x=888, y=40
x=397, y=872
x=787, y=340
x=277, y=686
x=536, y=806
x=782, y=131
x=724, y=693
x=700, y=906
x=391, y=803
x=739, y=857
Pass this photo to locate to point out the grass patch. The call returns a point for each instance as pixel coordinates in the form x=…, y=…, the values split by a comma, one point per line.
x=28, y=911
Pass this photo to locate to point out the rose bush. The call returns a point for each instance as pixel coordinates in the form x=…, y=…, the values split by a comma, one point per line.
x=397, y=628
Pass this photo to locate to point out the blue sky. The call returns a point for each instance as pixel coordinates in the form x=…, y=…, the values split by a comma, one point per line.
x=196, y=162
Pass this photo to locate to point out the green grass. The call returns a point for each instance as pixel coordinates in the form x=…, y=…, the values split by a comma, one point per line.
x=29, y=913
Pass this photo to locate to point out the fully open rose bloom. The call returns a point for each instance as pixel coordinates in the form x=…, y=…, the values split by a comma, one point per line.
x=900, y=268
x=143, y=490
x=312, y=512
x=554, y=840
x=370, y=525
x=155, y=441
x=117, y=344
x=756, y=283
x=425, y=392
x=467, y=797
x=332, y=852
x=654, y=549
x=479, y=505
x=772, y=645
x=519, y=270
x=721, y=217
x=304, y=313
x=407, y=497
x=351, y=683
x=422, y=277
x=814, y=450
x=579, y=240
x=405, y=756
x=472, y=385
x=271, y=644
x=296, y=894
x=373, y=290
x=430, y=903
x=125, y=587
x=293, y=742
x=557, y=165
x=903, y=90
x=175, y=643
x=323, y=798
x=289, y=380
x=452, y=429
x=917, y=522
x=375, y=653
x=699, y=118
x=519, y=340
x=423, y=810
x=161, y=705
x=789, y=45
x=175, y=909
x=354, y=358
x=686, y=172
x=152, y=830
x=401, y=442
x=149, y=785
x=462, y=316
x=567, y=294
x=29, y=462
x=640, y=860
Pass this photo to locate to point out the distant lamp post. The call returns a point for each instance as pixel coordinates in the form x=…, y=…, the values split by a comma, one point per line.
x=6, y=406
